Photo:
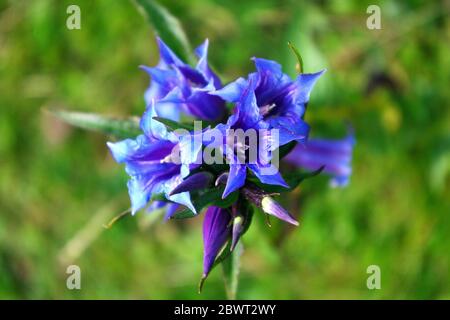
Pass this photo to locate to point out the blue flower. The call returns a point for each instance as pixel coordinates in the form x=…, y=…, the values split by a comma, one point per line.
x=149, y=164
x=247, y=116
x=177, y=87
x=281, y=102
x=335, y=155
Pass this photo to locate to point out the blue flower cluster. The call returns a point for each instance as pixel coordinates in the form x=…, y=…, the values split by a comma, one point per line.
x=267, y=101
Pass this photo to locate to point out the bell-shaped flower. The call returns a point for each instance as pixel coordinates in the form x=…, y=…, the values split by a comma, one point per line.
x=177, y=87
x=335, y=155
x=150, y=161
x=281, y=101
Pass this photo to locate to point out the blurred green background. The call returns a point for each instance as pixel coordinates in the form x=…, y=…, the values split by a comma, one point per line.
x=59, y=185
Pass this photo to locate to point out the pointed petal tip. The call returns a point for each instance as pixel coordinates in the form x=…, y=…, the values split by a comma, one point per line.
x=202, y=282
x=273, y=208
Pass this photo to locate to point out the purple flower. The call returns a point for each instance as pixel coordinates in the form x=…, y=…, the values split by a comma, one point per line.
x=247, y=117
x=150, y=167
x=281, y=102
x=177, y=87
x=264, y=201
x=270, y=206
x=335, y=155
x=216, y=233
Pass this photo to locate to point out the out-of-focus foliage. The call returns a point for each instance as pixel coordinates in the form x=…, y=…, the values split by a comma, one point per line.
x=59, y=185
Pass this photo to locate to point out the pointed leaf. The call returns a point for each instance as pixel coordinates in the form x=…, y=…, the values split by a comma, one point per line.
x=293, y=180
x=167, y=26
x=120, y=128
x=205, y=199
x=173, y=125
x=285, y=149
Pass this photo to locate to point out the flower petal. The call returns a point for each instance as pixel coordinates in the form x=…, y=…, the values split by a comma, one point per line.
x=305, y=83
x=236, y=179
x=168, y=57
x=203, y=67
x=335, y=155
x=273, y=208
x=232, y=91
x=197, y=181
x=273, y=178
x=216, y=232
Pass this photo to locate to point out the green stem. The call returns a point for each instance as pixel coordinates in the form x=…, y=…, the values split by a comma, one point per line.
x=230, y=268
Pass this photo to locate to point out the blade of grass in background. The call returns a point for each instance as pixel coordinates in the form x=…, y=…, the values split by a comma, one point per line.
x=120, y=128
x=167, y=27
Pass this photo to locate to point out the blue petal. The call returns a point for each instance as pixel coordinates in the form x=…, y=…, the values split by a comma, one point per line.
x=274, y=179
x=335, y=155
x=183, y=198
x=139, y=149
x=232, y=91
x=139, y=194
x=290, y=128
x=248, y=108
x=169, y=111
x=202, y=65
x=305, y=83
x=267, y=66
x=236, y=179
x=161, y=76
x=154, y=128
x=190, y=151
x=171, y=209
x=167, y=55
x=197, y=181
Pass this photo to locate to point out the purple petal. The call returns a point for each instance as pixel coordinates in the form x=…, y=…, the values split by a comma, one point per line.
x=171, y=209
x=197, y=181
x=205, y=106
x=216, y=232
x=168, y=57
x=273, y=208
x=272, y=82
x=155, y=205
x=203, y=67
x=335, y=155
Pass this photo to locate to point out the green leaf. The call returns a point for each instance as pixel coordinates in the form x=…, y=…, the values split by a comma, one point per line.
x=167, y=27
x=284, y=150
x=299, y=57
x=120, y=128
x=211, y=197
x=230, y=268
x=173, y=125
x=293, y=180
